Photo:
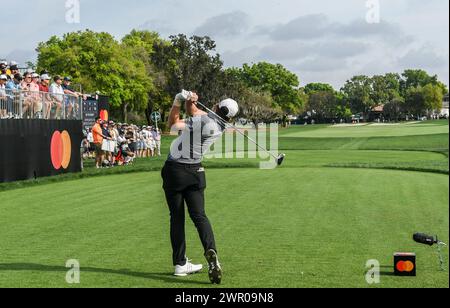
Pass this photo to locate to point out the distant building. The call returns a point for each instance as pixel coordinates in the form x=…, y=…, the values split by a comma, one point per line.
x=445, y=110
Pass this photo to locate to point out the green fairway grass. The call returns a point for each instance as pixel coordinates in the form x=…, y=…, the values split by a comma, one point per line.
x=373, y=130
x=338, y=201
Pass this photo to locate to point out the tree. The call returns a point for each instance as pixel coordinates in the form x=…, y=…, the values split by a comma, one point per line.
x=146, y=45
x=358, y=93
x=322, y=105
x=385, y=88
x=192, y=64
x=98, y=62
x=274, y=79
x=318, y=87
x=420, y=78
x=321, y=101
x=415, y=101
x=422, y=100
x=433, y=97
x=258, y=107
x=394, y=108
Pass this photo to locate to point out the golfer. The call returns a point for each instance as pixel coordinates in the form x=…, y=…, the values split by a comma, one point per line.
x=185, y=182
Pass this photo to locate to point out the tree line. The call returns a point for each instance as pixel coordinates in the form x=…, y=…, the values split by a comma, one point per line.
x=142, y=72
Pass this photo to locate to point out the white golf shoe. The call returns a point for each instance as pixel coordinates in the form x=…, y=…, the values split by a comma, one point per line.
x=187, y=269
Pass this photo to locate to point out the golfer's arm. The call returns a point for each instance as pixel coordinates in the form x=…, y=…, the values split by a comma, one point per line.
x=175, y=122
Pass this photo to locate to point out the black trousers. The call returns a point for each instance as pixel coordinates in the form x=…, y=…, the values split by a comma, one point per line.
x=186, y=184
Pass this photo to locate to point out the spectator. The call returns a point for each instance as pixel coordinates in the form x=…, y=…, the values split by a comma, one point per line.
x=131, y=137
x=142, y=142
x=36, y=97
x=157, y=137
x=150, y=142
x=114, y=135
x=127, y=154
x=14, y=83
x=85, y=148
x=46, y=99
x=12, y=90
x=36, y=78
x=98, y=137
x=26, y=95
x=4, y=68
x=107, y=136
x=14, y=69
x=31, y=96
x=90, y=139
x=57, y=93
x=3, y=97
x=71, y=98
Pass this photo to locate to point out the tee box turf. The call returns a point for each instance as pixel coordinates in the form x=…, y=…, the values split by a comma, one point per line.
x=405, y=264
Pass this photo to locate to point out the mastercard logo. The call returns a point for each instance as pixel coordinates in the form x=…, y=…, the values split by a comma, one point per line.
x=61, y=150
x=405, y=266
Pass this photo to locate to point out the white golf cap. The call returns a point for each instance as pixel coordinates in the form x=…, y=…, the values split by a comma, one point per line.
x=45, y=77
x=34, y=75
x=3, y=77
x=231, y=105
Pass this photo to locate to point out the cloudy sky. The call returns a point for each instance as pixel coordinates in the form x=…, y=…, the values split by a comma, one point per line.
x=320, y=40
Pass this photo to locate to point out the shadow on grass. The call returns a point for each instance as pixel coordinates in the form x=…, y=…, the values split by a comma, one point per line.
x=165, y=277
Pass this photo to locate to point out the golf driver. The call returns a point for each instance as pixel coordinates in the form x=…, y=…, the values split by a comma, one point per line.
x=279, y=159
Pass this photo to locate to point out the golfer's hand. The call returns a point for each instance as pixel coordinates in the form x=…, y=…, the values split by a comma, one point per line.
x=194, y=98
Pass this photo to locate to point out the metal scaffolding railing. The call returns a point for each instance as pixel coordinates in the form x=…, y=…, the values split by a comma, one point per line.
x=19, y=104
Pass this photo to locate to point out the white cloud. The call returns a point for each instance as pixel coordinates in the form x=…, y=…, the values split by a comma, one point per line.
x=425, y=57
x=325, y=40
x=229, y=24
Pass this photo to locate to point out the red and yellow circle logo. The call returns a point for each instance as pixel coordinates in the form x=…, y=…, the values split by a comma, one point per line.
x=104, y=115
x=61, y=150
x=405, y=266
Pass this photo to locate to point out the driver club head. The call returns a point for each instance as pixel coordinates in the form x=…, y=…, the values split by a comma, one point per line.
x=280, y=159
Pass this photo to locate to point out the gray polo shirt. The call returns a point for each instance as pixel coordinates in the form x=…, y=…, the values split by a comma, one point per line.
x=196, y=139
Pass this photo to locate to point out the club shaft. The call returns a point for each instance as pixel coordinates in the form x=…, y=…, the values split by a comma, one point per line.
x=237, y=130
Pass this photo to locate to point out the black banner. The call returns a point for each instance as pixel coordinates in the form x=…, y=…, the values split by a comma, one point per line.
x=32, y=149
x=90, y=112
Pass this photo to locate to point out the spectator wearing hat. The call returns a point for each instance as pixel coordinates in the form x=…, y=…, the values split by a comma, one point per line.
x=26, y=99
x=3, y=97
x=44, y=89
x=71, y=95
x=4, y=68
x=149, y=142
x=106, y=135
x=57, y=94
x=130, y=134
x=12, y=90
x=36, y=78
x=157, y=138
x=14, y=69
x=37, y=101
x=114, y=136
x=97, y=134
x=14, y=84
x=30, y=97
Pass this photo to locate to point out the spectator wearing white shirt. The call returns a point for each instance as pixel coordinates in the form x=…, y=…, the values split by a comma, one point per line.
x=151, y=142
x=3, y=97
x=157, y=137
x=57, y=94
